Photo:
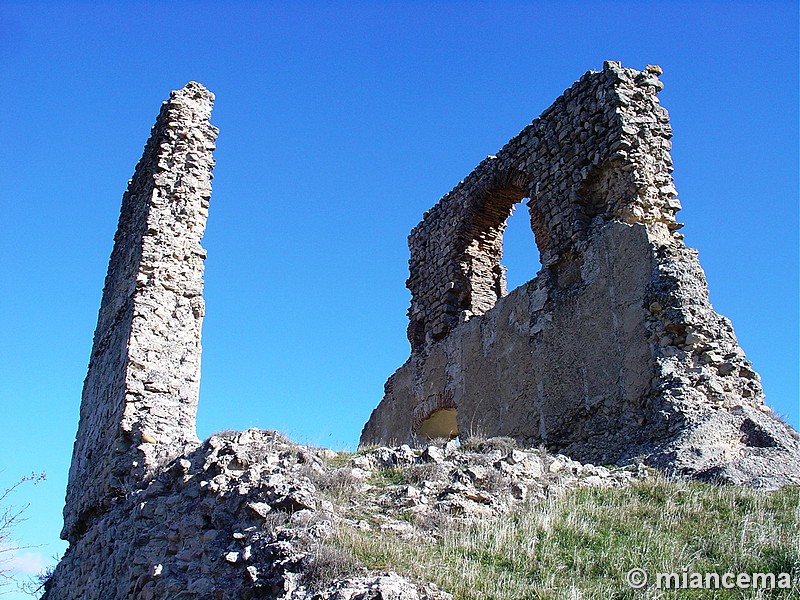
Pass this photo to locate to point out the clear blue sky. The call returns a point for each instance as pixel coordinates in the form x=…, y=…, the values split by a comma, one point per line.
x=341, y=123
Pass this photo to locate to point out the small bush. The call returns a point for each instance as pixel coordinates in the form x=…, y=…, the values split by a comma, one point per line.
x=37, y=584
x=416, y=474
x=493, y=482
x=10, y=517
x=434, y=521
x=275, y=520
x=226, y=434
x=339, y=483
x=340, y=460
x=472, y=443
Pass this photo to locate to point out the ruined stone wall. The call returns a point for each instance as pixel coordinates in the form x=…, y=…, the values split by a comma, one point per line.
x=613, y=349
x=140, y=394
x=151, y=513
x=601, y=151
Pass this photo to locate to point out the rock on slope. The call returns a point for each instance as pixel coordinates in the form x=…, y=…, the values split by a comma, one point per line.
x=247, y=515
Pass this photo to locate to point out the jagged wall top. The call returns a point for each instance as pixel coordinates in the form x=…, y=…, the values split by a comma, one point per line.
x=601, y=151
x=140, y=394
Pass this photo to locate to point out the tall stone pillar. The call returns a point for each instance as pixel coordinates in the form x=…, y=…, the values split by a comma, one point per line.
x=140, y=395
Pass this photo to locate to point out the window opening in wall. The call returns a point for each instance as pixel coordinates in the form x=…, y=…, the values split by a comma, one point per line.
x=520, y=254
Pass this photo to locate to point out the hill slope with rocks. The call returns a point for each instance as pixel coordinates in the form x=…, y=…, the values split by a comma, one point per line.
x=252, y=515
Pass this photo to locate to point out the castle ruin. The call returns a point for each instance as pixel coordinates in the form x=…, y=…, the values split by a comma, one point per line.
x=612, y=352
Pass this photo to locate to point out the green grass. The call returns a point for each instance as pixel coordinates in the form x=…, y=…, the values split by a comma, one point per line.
x=341, y=459
x=387, y=476
x=581, y=543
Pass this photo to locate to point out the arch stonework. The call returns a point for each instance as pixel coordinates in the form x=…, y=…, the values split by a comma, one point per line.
x=602, y=149
x=596, y=356
x=431, y=405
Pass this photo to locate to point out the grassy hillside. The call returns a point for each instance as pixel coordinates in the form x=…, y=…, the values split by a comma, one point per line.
x=581, y=543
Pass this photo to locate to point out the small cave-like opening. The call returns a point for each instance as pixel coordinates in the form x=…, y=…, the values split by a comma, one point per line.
x=441, y=423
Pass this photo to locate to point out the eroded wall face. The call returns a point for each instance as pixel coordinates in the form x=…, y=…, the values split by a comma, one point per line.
x=140, y=394
x=547, y=364
x=599, y=355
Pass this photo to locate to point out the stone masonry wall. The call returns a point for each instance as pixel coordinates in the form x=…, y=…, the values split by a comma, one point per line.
x=140, y=394
x=613, y=350
x=601, y=151
x=152, y=513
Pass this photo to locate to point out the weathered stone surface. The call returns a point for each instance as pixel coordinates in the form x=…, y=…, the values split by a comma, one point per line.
x=389, y=586
x=150, y=512
x=140, y=395
x=613, y=351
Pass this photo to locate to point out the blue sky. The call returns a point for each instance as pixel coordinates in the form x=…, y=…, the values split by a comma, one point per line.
x=341, y=123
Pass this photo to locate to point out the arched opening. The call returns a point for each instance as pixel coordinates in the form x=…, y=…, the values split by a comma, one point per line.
x=441, y=423
x=520, y=255
x=455, y=269
x=493, y=234
x=436, y=417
